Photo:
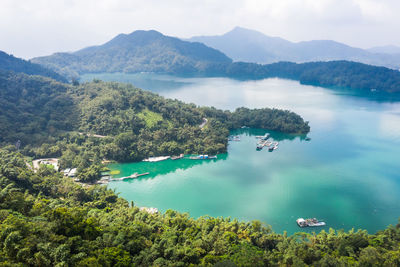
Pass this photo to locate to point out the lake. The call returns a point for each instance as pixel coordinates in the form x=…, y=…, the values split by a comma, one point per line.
x=348, y=174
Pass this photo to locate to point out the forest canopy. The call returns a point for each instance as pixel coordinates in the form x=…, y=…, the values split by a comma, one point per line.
x=93, y=121
x=48, y=220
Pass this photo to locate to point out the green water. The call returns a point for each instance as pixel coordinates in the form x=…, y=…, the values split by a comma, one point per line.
x=348, y=174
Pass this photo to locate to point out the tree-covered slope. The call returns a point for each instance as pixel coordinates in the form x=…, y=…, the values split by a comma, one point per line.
x=344, y=74
x=47, y=220
x=33, y=108
x=11, y=63
x=57, y=120
x=140, y=51
x=143, y=51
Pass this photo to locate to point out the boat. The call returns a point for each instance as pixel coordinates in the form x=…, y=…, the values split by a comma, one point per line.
x=307, y=139
x=203, y=157
x=156, y=159
x=177, y=157
x=265, y=137
x=259, y=147
x=271, y=148
x=234, y=138
x=313, y=222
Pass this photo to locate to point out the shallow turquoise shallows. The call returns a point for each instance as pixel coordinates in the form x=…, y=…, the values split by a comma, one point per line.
x=348, y=174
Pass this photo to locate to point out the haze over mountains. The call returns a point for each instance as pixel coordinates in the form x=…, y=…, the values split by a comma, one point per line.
x=151, y=51
x=387, y=49
x=246, y=45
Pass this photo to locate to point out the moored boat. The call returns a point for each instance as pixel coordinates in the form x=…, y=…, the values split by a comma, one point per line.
x=203, y=157
x=177, y=157
x=156, y=159
x=313, y=222
x=265, y=137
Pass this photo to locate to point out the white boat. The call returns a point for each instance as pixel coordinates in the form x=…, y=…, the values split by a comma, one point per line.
x=203, y=157
x=155, y=159
x=313, y=222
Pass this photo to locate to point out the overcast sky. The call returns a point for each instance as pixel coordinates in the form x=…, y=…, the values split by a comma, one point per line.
x=32, y=28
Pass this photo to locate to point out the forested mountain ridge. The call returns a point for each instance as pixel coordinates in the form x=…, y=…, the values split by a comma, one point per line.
x=47, y=220
x=143, y=51
x=139, y=51
x=11, y=63
x=52, y=119
x=247, y=45
x=344, y=74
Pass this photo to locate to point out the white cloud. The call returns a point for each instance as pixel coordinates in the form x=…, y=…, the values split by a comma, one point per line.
x=31, y=28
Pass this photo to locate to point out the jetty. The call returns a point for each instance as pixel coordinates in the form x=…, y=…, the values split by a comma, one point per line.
x=156, y=159
x=177, y=157
x=132, y=176
x=263, y=143
x=203, y=157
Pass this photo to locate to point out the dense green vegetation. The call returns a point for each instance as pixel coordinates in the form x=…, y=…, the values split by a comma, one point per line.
x=344, y=74
x=84, y=124
x=47, y=220
x=11, y=63
x=153, y=52
x=148, y=51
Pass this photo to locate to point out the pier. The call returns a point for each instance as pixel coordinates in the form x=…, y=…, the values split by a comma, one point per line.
x=132, y=176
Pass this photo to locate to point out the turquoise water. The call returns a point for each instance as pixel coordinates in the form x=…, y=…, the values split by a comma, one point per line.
x=347, y=175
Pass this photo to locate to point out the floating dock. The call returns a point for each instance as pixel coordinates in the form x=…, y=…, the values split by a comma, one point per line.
x=133, y=176
x=156, y=159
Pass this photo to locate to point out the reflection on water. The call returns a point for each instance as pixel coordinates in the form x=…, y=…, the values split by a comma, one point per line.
x=170, y=166
x=140, y=80
x=161, y=167
x=348, y=173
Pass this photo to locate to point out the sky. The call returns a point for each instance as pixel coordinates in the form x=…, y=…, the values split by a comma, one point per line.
x=31, y=28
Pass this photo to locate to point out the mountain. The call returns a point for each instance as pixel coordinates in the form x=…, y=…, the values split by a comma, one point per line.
x=11, y=63
x=360, y=78
x=387, y=49
x=252, y=46
x=151, y=51
x=140, y=51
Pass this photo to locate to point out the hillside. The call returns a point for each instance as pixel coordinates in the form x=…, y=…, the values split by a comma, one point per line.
x=151, y=51
x=11, y=63
x=139, y=51
x=387, y=49
x=47, y=220
x=358, y=77
x=246, y=45
x=53, y=119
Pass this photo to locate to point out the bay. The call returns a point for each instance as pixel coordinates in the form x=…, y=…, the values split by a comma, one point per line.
x=348, y=174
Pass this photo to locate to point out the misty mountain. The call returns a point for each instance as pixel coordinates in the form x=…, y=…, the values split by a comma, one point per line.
x=140, y=51
x=387, y=49
x=242, y=44
x=11, y=63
